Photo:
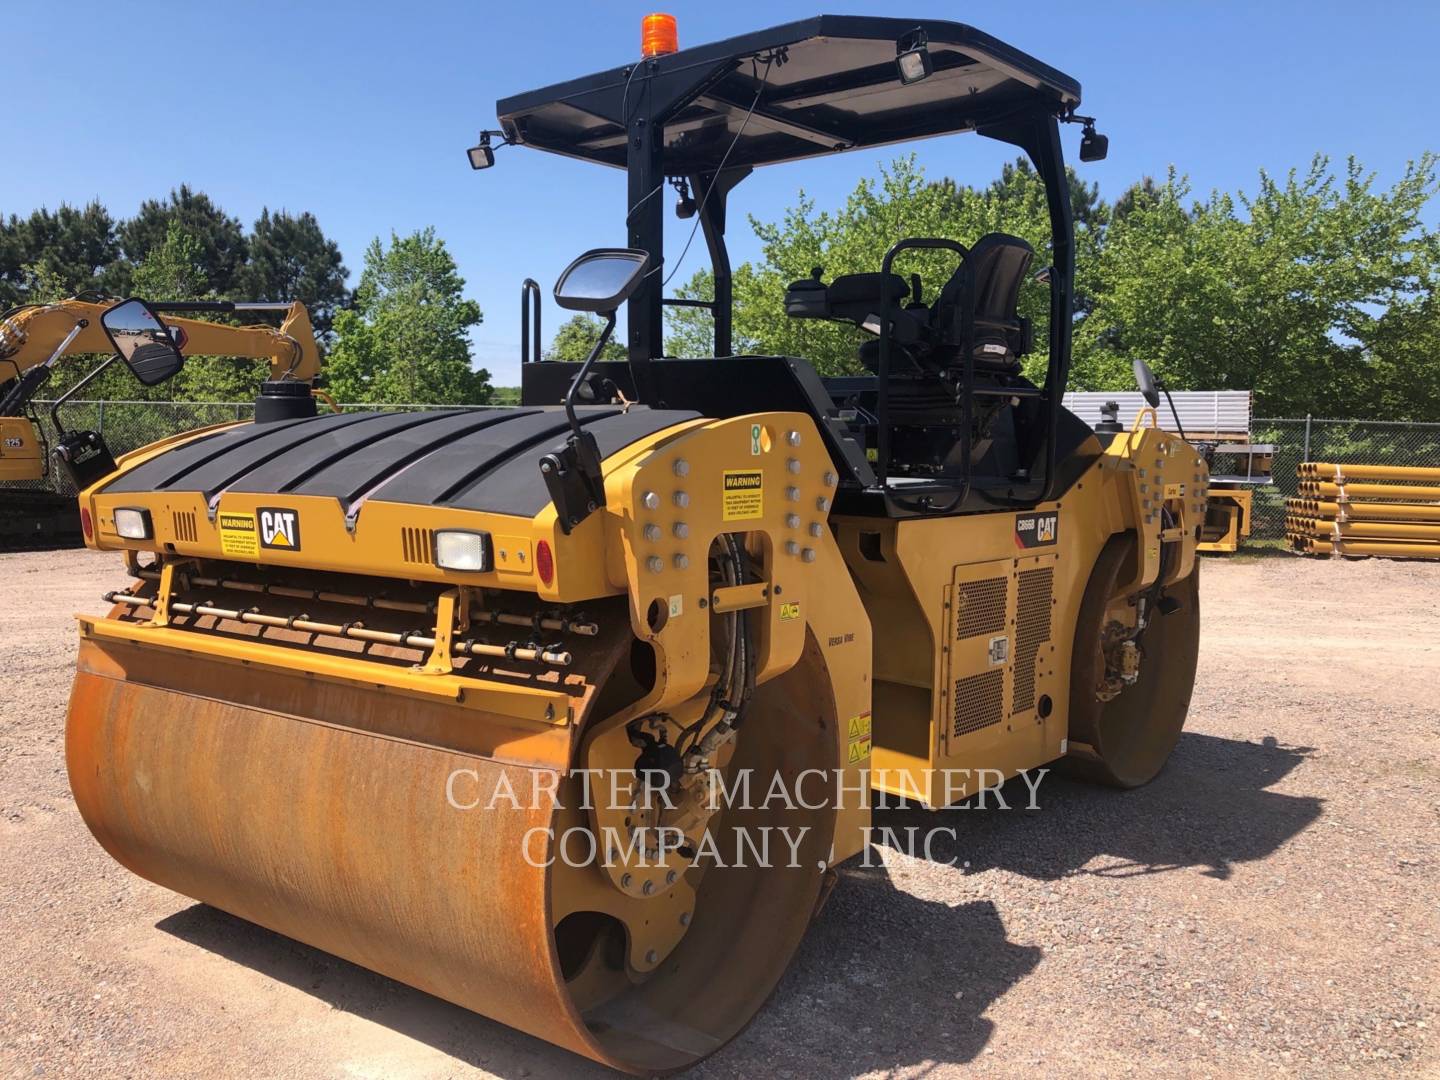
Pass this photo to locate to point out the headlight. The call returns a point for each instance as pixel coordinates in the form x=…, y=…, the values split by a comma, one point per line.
x=459, y=550
x=132, y=524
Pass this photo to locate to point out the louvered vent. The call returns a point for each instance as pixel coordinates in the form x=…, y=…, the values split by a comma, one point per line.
x=184, y=525
x=979, y=701
x=417, y=545
x=981, y=607
x=1032, y=617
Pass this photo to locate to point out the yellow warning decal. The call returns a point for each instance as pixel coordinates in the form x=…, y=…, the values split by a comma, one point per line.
x=790, y=612
x=238, y=536
x=743, y=496
x=859, y=736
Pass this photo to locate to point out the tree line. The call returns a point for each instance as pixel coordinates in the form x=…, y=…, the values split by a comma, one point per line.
x=402, y=334
x=1317, y=291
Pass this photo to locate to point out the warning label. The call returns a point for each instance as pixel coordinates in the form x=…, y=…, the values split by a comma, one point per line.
x=744, y=495
x=790, y=612
x=859, y=736
x=238, y=536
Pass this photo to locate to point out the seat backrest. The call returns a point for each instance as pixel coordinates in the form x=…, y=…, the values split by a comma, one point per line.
x=995, y=268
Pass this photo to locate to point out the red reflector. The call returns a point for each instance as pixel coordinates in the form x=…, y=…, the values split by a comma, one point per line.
x=545, y=562
x=86, y=525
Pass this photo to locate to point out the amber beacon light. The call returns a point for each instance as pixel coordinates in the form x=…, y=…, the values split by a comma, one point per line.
x=658, y=35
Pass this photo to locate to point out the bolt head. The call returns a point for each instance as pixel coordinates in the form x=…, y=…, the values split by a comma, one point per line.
x=792, y=548
x=650, y=501
x=652, y=956
x=823, y=504
x=792, y=438
x=682, y=500
x=816, y=528
x=682, y=467
x=655, y=564
x=792, y=465
x=681, y=561
x=652, y=532
x=647, y=889
x=808, y=555
x=830, y=478
x=793, y=494
x=792, y=521
x=681, y=530
x=685, y=918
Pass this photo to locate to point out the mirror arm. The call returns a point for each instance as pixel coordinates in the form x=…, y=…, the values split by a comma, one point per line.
x=573, y=476
x=584, y=371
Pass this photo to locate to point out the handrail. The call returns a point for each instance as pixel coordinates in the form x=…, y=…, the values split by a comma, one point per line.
x=529, y=321
x=882, y=402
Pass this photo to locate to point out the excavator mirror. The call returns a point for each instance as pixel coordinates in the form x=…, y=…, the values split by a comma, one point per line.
x=143, y=341
x=601, y=280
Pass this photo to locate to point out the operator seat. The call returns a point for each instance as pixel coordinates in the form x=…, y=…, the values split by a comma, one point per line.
x=992, y=273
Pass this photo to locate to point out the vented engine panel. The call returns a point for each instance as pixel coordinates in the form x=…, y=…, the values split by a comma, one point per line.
x=1000, y=659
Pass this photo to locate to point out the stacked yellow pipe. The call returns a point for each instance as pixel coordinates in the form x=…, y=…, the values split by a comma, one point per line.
x=1397, y=515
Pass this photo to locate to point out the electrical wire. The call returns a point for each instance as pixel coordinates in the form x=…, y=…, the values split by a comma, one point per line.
x=700, y=210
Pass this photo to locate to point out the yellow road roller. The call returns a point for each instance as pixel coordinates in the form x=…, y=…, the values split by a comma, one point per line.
x=567, y=712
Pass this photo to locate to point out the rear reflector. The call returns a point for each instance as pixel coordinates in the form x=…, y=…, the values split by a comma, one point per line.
x=545, y=562
x=86, y=526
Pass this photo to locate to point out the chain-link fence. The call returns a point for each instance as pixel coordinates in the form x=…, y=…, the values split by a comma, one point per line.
x=128, y=425
x=1346, y=442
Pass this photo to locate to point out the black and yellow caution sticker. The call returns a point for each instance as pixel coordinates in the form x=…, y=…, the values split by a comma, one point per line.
x=743, y=496
x=858, y=734
x=238, y=536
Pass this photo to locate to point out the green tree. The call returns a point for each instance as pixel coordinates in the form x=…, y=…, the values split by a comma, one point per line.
x=69, y=248
x=1313, y=292
x=577, y=336
x=406, y=338
x=220, y=238
x=291, y=258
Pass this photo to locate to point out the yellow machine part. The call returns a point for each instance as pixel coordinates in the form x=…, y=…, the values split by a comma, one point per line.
x=32, y=334
x=20, y=451
x=975, y=680
x=329, y=758
x=339, y=789
x=1227, y=520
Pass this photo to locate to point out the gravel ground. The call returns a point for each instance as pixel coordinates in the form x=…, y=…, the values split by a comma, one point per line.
x=1267, y=906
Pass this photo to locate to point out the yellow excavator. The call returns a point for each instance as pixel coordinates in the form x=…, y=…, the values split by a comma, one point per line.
x=34, y=338
x=567, y=712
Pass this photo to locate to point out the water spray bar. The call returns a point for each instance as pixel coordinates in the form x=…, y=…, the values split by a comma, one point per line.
x=356, y=631
x=559, y=624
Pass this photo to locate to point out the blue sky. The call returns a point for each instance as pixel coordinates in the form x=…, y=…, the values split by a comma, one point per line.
x=360, y=112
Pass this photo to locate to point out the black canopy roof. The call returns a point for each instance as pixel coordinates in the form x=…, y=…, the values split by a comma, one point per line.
x=831, y=84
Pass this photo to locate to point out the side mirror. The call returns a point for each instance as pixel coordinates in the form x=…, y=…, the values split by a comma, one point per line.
x=601, y=280
x=1145, y=380
x=1093, y=145
x=143, y=341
